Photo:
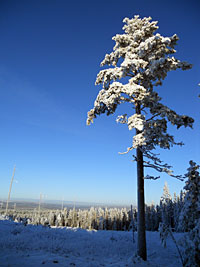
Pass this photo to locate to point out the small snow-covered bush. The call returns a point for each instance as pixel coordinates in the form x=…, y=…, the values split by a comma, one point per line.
x=191, y=247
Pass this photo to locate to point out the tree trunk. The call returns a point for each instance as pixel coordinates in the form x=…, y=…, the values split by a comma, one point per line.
x=141, y=235
x=141, y=245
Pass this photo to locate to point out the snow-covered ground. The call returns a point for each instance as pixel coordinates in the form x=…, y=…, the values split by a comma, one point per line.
x=34, y=246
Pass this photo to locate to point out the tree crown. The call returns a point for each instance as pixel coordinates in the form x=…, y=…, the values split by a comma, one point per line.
x=143, y=58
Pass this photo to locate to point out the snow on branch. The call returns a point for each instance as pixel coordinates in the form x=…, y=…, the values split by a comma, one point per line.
x=117, y=93
x=122, y=119
x=136, y=121
x=158, y=165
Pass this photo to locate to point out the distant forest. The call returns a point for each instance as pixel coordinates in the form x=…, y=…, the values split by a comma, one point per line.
x=120, y=219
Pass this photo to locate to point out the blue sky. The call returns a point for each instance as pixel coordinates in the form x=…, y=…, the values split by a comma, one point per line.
x=49, y=58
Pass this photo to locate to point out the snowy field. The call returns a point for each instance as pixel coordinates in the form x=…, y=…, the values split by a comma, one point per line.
x=34, y=246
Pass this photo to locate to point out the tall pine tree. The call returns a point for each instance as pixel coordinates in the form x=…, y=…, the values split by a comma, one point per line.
x=140, y=61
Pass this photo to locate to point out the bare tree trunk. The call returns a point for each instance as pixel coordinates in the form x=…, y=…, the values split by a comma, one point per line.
x=39, y=205
x=141, y=249
x=8, y=200
x=141, y=234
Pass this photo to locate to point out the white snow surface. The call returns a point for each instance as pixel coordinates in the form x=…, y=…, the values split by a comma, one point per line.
x=34, y=246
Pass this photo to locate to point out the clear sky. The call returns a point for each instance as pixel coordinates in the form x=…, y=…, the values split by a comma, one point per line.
x=49, y=58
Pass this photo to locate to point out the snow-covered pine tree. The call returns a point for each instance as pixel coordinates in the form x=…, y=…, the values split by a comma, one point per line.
x=166, y=196
x=191, y=255
x=154, y=218
x=100, y=218
x=175, y=211
x=177, y=207
x=189, y=220
x=191, y=206
x=151, y=218
x=142, y=58
x=167, y=207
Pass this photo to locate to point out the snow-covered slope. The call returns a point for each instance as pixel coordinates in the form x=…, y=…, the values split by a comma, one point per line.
x=42, y=246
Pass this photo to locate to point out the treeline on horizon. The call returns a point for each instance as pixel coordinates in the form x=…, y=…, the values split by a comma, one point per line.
x=168, y=211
